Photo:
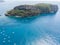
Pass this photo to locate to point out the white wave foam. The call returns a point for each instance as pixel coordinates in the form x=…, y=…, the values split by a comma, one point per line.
x=48, y=40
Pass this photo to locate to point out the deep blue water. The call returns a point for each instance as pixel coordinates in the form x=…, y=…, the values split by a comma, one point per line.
x=40, y=30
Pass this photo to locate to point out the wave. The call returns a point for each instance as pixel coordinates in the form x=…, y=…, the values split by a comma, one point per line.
x=47, y=40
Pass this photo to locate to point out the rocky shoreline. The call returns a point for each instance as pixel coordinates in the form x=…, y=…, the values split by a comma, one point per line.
x=32, y=10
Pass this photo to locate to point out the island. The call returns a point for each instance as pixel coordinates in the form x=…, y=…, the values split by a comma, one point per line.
x=32, y=10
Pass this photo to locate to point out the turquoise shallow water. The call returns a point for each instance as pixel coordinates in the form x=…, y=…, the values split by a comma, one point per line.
x=41, y=30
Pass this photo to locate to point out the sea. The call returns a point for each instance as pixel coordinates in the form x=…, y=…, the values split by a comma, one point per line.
x=38, y=30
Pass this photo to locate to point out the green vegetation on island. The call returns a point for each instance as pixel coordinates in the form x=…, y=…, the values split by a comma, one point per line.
x=32, y=10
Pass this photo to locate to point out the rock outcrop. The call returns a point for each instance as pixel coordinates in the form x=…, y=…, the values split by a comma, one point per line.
x=32, y=10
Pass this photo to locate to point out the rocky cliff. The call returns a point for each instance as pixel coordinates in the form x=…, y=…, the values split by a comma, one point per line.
x=32, y=10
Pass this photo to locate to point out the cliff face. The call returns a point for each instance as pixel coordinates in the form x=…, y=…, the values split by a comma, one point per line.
x=54, y=8
x=31, y=10
x=26, y=7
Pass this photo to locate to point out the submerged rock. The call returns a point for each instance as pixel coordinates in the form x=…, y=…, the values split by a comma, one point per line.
x=32, y=10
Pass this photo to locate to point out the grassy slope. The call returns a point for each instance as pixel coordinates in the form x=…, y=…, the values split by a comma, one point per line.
x=28, y=12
